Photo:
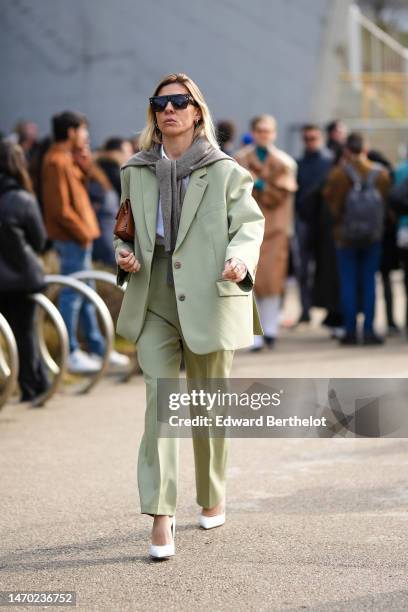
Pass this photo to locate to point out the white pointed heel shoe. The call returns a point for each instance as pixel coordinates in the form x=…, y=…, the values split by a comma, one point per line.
x=209, y=522
x=166, y=550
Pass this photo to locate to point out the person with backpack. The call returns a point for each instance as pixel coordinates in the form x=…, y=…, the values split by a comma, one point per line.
x=356, y=193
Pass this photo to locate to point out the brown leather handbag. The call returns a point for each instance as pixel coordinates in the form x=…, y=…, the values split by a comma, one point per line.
x=125, y=225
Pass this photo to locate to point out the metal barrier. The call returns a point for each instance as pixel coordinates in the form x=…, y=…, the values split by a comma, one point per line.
x=101, y=275
x=8, y=370
x=47, y=307
x=106, y=320
x=110, y=279
x=76, y=281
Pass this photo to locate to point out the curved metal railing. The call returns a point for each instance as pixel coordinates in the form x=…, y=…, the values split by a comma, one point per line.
x=77, y=281
x=101, y=275
x=105, y=317
x=58, y=370
x=9, y=369
x=110, y=279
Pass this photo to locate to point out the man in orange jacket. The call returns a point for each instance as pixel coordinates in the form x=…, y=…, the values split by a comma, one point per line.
x=72, y=224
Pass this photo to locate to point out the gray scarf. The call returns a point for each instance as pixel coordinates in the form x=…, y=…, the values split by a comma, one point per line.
x=169, y=173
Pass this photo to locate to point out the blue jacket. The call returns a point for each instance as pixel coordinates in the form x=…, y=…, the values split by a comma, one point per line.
x=401, y=173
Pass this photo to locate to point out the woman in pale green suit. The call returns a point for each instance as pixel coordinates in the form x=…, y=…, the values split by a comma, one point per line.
x=190, y=273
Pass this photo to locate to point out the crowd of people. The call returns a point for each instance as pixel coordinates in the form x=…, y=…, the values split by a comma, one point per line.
x=333, y=219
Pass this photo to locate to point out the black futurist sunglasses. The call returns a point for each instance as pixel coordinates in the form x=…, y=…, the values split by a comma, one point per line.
x=179, y=101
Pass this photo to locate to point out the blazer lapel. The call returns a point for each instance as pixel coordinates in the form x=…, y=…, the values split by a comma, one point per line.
x=192, y=199
x=150, y=194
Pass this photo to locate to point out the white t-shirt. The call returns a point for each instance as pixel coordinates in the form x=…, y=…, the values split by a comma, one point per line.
x=159, y=225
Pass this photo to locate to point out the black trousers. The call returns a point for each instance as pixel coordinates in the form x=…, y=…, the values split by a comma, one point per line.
x=19, y=311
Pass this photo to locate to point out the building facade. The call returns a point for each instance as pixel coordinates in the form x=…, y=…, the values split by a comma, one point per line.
x=103, y=58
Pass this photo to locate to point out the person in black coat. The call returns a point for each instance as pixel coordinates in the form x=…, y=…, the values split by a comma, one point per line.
x=389, y=255
x=399, y=205
x=313, y=167
x=22, y=237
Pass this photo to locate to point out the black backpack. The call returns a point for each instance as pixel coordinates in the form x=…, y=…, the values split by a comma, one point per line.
x=363, y=221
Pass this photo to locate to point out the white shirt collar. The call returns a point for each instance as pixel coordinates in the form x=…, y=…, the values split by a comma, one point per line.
x=162, y=152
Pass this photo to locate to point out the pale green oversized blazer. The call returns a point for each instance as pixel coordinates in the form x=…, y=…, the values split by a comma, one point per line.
x=219, y=219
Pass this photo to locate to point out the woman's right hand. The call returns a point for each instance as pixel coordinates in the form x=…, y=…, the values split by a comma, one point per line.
x=127, y=261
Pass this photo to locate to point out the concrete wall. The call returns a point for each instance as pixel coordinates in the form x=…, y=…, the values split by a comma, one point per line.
x=103, y=58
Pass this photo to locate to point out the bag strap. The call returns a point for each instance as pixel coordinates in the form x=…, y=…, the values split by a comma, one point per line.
x=353, y=175
x=372, y=176
x=357, y=180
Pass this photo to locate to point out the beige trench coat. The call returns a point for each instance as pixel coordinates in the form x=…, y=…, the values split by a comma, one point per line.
x=276, y=203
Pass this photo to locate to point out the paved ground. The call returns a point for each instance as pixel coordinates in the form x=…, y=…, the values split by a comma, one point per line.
x=312, y=524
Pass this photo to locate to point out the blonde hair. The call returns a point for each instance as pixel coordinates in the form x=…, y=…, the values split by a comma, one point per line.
x=204, y=128
x=267, y=118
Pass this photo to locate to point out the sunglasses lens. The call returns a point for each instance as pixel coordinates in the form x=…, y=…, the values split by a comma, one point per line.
x=179, y=101
x=158, y=103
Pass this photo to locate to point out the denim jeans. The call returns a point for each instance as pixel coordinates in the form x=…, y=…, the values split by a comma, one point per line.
x=73, y=306
x=357, y=269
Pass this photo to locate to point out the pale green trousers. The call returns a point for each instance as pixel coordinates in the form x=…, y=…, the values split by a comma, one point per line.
x=159, y=355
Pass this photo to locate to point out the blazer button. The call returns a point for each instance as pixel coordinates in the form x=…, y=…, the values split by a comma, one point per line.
x=177, y=264
x=182, y=297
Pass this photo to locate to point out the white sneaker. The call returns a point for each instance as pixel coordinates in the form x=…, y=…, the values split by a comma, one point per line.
x=337, y=332
x=118, y=359
x=115, y=359
x=258, y=344
x=80, y=362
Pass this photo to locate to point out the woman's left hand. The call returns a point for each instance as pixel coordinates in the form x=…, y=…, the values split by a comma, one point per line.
x=234, y=270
